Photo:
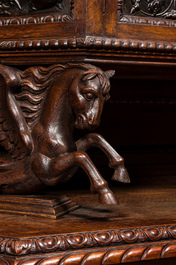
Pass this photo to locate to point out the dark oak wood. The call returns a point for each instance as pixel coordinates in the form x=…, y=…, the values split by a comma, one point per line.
x=139, y=121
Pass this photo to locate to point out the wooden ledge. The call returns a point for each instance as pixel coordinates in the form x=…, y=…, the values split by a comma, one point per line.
x=45, y=206
x=142, y=227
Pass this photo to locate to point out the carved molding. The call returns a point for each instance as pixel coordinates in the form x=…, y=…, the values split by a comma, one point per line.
x=39, y=18
x=152, y=12
x=114, y=255
x=49, y=244
x=90, y=43
x=148, y=20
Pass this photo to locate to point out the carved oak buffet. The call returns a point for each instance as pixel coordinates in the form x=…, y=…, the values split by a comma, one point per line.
x=136, y=38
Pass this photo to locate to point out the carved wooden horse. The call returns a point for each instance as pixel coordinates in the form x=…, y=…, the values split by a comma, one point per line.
x=39, y=109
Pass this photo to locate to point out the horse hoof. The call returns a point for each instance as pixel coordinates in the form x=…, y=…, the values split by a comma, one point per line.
x=121, y=175
x=108, y=199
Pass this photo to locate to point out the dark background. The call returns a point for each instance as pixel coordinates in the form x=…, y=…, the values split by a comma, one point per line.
x=139, y=122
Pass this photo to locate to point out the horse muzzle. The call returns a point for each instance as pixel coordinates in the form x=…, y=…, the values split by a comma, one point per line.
x=93, y=123
x=86, y=123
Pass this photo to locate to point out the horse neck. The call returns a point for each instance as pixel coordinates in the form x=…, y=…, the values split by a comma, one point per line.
x=56, y=110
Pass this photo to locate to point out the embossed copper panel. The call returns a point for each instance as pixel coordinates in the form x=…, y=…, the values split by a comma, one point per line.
x=154, y=8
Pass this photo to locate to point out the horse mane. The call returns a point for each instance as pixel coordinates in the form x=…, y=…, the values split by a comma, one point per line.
x=35, y=83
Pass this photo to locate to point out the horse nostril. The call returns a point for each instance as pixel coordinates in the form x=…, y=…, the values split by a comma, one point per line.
x=90, y=119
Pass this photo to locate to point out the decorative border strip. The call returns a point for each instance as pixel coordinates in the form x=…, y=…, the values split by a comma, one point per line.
x=79, y=241
x=49, y=18
x=97, y=43
x=101, y=256
x=148, y=21
x=34, y=19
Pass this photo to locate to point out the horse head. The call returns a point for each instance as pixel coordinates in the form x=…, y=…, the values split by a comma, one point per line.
x=87, y=95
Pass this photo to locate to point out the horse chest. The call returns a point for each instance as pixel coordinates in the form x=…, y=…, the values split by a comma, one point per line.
x=64, y=147
x=52, y=145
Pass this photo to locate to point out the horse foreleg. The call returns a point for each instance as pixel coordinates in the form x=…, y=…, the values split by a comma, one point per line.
x=115, y=160
x=50, y=171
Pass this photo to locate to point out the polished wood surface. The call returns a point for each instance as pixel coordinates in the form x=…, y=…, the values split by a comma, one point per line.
x=137, y=208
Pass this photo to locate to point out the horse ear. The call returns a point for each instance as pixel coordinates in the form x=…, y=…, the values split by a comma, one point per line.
x=88, y=75
x=110, y=73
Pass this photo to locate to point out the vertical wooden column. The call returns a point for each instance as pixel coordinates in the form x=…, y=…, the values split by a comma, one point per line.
x=110, y=18
x=94, y=18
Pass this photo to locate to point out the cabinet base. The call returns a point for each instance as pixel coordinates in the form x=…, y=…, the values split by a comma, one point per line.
x=46, y=206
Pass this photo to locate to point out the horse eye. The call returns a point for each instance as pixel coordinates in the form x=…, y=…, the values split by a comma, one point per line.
x=89, y=96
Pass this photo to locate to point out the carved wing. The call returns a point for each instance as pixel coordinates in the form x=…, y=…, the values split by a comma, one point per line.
x=15, y=136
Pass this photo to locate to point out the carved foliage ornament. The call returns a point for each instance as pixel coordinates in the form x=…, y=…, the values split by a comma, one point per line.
x=156, y=8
